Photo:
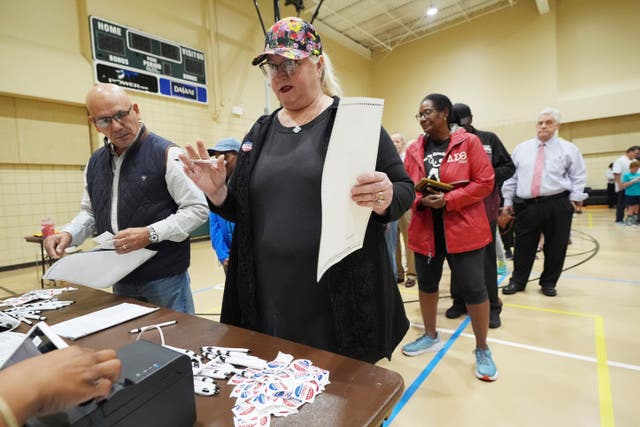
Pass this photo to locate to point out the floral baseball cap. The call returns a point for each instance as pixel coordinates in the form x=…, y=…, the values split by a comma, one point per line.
x=291, y=37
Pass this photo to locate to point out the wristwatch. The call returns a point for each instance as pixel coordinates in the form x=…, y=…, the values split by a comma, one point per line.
x=153, y=235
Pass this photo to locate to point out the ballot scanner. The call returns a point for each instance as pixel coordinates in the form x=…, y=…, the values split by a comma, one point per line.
x=155, y=388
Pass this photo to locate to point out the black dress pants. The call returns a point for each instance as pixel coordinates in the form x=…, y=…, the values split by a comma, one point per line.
x=611, y=195
x=620, y=206
x=549, y=216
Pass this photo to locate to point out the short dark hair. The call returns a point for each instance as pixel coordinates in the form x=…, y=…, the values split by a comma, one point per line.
x=441, y=103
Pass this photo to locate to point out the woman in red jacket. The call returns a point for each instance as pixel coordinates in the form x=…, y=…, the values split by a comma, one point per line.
x=451, y=225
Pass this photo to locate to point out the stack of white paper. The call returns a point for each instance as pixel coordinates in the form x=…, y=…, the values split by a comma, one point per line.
x=98, y=269
x=98, y=320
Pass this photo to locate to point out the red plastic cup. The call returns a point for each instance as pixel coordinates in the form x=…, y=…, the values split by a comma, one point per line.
x=48, y=228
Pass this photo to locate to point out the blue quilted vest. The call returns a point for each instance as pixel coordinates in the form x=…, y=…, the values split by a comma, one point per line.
x=143, y=199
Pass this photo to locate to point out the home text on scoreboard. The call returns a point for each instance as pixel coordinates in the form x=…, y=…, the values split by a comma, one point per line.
x=141, y=61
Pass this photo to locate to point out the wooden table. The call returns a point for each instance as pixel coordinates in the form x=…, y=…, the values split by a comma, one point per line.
x=360, y=394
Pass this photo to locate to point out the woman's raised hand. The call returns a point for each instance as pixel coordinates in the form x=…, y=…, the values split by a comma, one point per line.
x=209, y=175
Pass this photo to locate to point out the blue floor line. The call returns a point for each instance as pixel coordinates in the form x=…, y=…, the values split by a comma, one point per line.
x=425, y=373
x=409, y=392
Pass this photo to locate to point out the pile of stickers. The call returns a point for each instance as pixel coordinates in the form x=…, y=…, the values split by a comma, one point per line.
x=279, y=389
x=29, y=306
x=261, y=388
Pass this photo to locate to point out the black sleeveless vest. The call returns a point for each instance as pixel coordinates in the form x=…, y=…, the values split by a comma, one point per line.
x=143, y=199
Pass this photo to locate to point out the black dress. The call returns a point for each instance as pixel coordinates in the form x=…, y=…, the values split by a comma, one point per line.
x=274, y=198
x=291, y=303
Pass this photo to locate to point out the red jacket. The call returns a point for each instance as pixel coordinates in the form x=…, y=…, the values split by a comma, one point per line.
x=467, y=166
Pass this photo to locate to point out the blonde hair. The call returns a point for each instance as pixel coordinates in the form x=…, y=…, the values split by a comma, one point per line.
x=328, y=79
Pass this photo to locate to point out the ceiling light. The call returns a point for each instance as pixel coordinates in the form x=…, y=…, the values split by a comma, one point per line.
x=432, y=11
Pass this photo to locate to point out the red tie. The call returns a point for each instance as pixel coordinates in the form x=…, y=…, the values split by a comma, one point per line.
x=536, y=179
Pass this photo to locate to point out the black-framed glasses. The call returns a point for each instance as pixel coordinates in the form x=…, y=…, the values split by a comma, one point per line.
x=424, y=114
x=105, y=122
x=271, y=70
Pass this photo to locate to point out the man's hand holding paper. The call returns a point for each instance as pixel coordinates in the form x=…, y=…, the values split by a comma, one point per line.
x=131, y=239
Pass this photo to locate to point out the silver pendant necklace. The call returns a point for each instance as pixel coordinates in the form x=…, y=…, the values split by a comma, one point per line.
x=298, y=128
x=303, y=119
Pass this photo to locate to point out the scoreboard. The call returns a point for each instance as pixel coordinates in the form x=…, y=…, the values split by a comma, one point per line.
x=140, y=61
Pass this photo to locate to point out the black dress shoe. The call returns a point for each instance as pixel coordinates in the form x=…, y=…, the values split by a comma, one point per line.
x=494, y=319
x=550, y=292
x=455, y=311
x=512, y=288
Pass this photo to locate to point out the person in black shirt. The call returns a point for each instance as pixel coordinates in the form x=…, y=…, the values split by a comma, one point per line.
x=503, y=168
x=274, y=196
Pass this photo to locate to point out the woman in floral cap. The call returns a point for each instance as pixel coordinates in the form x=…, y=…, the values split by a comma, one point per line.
x=274, y=198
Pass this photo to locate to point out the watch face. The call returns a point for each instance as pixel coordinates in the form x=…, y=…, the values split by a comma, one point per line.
x=153, y=236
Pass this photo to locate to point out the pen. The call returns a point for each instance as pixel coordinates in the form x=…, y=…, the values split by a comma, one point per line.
x=146, y=328
x=214, y=348
x=22, y=319
x=204, y=161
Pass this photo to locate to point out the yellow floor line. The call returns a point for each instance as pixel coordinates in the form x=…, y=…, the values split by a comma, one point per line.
x=551, y=310
x=604, y=381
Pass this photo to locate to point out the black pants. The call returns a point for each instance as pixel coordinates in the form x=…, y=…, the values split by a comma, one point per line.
x=490, y=276
x=551, y=217
x=620, y=206
x=506, y=234
x=611, y=195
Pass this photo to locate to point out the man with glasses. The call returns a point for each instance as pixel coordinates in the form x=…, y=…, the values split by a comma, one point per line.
x=544, y=192
x=135, y=188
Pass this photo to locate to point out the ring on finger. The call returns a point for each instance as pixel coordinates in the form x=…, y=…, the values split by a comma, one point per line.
x=380, y=197
x=124, y=246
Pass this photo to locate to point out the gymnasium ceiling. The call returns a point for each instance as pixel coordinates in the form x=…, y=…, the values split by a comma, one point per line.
x=379, y=26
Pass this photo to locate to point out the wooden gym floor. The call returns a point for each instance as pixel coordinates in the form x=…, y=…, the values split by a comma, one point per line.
x=571, y=360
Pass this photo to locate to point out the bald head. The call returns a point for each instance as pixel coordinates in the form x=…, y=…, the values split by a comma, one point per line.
x=113, y=114
x=106, y=92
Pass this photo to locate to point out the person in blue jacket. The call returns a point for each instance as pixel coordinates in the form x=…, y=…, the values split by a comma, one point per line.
x=221, y=230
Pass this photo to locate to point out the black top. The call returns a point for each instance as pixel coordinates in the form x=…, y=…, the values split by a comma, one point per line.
x=434, y=152
x=365, y=306
x=291, y=297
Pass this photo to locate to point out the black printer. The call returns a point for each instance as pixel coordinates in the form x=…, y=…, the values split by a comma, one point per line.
x=155, y=388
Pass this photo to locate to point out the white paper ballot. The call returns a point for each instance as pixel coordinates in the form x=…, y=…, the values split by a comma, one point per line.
x=97, y=269
x=353, y=149
x=81, y=326
x=104, y=241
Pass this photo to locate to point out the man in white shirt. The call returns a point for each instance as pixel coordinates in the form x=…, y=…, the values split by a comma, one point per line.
x=620, y=167
x=135, y=188
x=543, y=193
